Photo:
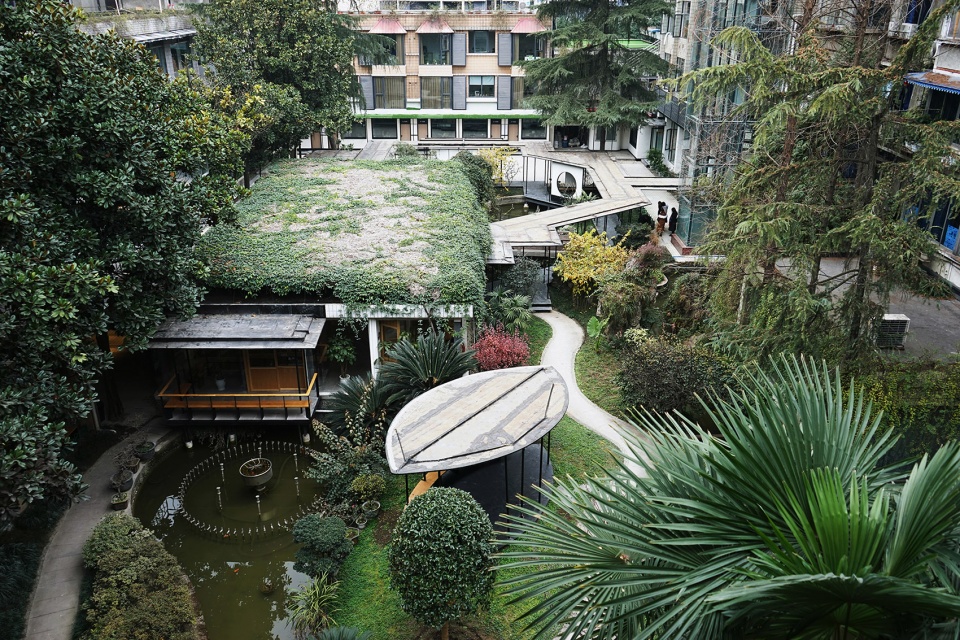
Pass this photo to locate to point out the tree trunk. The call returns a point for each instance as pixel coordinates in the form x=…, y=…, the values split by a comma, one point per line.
x=445, y=631
x=107, y=394
x=815, y=275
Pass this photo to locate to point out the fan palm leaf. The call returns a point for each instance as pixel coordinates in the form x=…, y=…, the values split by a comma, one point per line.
x=784, y=525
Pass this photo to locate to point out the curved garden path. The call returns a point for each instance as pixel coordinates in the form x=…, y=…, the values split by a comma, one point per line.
x=560, y=353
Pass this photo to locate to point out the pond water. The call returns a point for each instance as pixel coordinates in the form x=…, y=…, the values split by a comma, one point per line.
x=230, y=546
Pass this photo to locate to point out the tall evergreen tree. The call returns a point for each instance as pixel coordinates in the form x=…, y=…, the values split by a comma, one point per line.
x=595, y=79
x=830, y=174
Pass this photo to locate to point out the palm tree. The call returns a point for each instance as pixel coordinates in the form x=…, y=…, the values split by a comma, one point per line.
x=785, y=525
x=422, y=365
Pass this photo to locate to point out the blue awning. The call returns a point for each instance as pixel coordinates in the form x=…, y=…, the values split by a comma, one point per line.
x=936, y=80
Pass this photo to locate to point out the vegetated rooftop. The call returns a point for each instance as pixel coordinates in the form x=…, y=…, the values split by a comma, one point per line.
x=363, y=232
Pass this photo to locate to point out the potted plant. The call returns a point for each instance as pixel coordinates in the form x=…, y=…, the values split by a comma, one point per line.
x=361, y=522
x=370, y=509
x=343, y=353
x=120, y=500
x=352, y=534
x=128, y=459
x=145, y=449
x=221, y=381
x=122, y=480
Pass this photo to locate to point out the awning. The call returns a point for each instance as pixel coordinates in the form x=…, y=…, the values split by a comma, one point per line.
x=163, y=36
x=239, y=331
x=434, y=26
x=388, y=26
x=528, y=25
x=474, y=419
x=937, y=80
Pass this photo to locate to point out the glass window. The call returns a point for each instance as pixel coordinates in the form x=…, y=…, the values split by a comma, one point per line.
x=384, y=128
x=436, y=93
x=670, y=143
x=482, y=41
x=358, y=130
x=435, y=48
x=528, y=47
x=476, y=129
x=161, y=57
x=633, y=136
x=393, y=51
x=656, y=138
x=389, y=93
x=480, y=87
x=531, y=129
x=443, y=128
x=179, y=52
x=516, y=95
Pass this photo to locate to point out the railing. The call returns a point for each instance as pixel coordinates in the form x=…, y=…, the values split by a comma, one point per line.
x=302, y=402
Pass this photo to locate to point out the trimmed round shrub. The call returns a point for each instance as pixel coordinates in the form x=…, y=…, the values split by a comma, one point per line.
x=440, y=558
x=369, y=486
x=139, y=590
x=522, y=276
x=325, y=545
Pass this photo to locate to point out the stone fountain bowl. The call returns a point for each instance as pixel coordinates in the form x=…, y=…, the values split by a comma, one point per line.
x=256, y=472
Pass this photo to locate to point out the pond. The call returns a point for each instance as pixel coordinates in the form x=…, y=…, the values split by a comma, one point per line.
x=233, y=540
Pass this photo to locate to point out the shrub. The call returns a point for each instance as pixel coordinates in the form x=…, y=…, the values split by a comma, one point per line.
x=686, y=306
x=521, y=277
x=497, y=349
x=422, y=365
x=344, y=633
x=480, y=175
x=139, y=590
x=512, y=311
x=340, y=461
x=369, y=486
x=312, y=607
x=405, y=150
x=440, y=558
x=361, y=406
x=325, y=545
x=664, y=375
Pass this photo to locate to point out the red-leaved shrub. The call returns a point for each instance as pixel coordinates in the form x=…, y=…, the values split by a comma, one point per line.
x=497, y=349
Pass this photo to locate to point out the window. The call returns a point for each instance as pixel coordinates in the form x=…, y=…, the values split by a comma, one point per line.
x=670, y=143
x=358, y=130
x=476, y=129
x=480, y=87
x=532, y=130
x=389, y=93
x=516, y=93
x=161, y=57
x=952, y=30
x=633, y=136
x=435, y=48
x=384, y=128
x=528, y=47
x=436, y=93
x=482, y=41
x=943, y=105
x=393, y=51
x=443, y=128
x=179, y=51
x=656, y=138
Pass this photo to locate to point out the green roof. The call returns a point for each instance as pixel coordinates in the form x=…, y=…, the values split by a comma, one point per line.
x=364, y=232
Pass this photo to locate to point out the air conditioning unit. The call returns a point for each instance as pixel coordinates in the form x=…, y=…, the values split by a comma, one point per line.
x=892, y=331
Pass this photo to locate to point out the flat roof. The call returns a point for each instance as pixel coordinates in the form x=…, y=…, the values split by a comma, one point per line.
x=239, y=331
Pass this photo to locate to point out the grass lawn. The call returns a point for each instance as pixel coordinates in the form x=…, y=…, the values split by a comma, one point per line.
x=366, y=600
x=595, y=369
x=538, y=334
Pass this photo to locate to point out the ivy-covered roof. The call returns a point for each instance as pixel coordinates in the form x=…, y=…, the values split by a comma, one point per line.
x=363, y=232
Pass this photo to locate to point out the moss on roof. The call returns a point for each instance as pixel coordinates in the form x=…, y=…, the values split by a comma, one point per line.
x=365, y=232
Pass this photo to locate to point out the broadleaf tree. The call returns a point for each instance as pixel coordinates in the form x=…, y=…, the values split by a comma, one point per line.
x=107, y=171
x=596, y=77
x=295, y=57
x=838, y=167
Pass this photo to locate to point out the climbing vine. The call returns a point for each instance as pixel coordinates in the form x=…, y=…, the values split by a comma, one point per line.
x=405, y=231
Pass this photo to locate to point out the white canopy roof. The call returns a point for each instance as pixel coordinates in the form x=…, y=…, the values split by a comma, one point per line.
x=476, y=418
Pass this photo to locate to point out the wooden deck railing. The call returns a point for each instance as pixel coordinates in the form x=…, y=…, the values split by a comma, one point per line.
x=236, y=402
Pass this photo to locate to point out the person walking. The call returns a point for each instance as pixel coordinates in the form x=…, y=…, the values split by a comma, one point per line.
x=672, y=223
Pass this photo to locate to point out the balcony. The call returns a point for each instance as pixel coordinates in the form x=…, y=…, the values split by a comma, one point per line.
x=182, y=403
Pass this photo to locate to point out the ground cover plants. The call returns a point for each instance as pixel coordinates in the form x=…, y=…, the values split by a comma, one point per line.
x=396, y=231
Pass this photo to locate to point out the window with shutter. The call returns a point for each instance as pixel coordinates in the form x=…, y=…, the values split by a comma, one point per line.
x=459, y=49
x=504, y=49
x=459, y=92
x=366, y=92
x=504, y=90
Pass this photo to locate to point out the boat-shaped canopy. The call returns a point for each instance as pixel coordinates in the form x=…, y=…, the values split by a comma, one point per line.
x=476, y=418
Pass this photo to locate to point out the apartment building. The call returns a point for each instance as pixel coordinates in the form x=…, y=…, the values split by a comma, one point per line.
x=451, y=76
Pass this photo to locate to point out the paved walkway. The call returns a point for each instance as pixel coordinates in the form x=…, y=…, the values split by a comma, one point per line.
x=560, y=353
x=56, y=595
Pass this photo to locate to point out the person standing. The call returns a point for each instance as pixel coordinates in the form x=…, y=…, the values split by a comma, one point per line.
x=672, y=223
x=661, y=217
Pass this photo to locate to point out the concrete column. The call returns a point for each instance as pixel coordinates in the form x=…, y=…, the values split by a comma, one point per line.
x=374, y=341
x=643, y=142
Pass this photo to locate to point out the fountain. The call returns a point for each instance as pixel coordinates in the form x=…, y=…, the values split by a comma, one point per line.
x=256, y=473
